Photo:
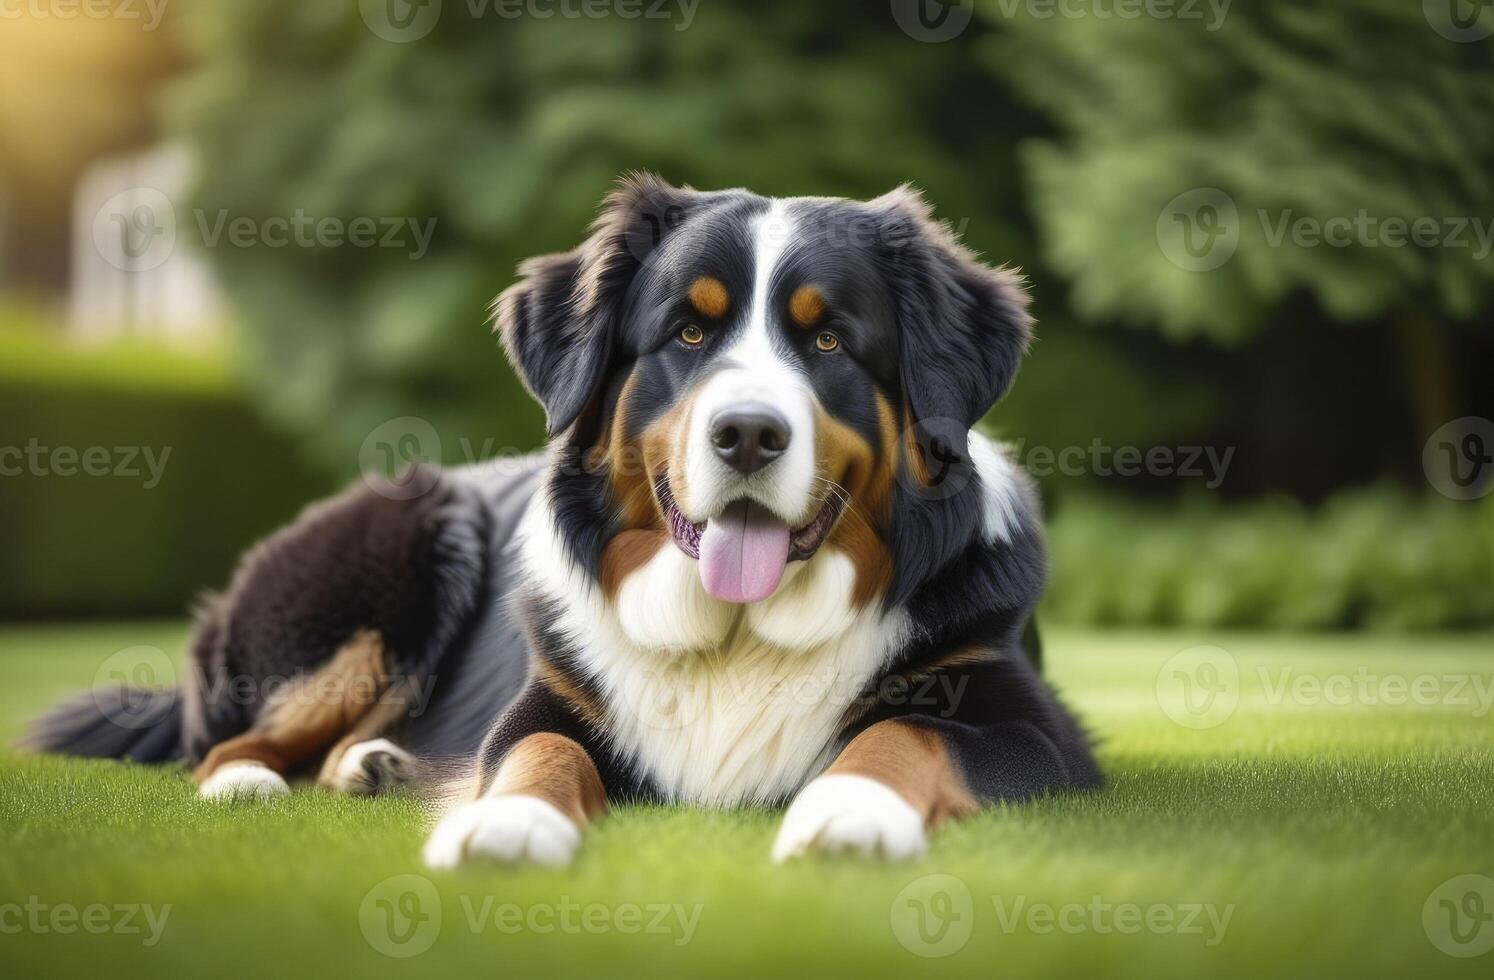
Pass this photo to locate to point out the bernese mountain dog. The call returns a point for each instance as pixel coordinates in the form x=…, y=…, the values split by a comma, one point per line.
x=764, y=560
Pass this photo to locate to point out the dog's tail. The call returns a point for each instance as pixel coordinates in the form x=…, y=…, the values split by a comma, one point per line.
x=113, y=723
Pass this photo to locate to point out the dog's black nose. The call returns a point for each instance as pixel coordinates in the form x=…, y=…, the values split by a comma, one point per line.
x=749, y=437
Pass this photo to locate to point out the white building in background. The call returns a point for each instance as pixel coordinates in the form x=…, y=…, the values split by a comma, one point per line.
x=133, y=275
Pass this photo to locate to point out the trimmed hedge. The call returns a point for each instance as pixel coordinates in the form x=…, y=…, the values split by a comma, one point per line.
x=130, y=478
x=1371, y=558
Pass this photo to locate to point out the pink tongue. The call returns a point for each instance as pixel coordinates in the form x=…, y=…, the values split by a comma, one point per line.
x=743, y=553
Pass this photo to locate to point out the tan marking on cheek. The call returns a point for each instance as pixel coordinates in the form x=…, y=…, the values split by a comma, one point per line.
x=846, y=458
x=664, y=445
x=915, y=763
x=841, y=454
x=709, y=297
x=631, y=489
x=555, y=769
x=807, y=306
x=870, y=557
x=627, y=552
x=637, y=465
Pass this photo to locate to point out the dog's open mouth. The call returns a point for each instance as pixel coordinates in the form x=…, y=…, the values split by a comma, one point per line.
x=744, y=550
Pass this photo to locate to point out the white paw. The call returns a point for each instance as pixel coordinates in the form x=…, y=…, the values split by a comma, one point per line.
x=506, y=829
x=243, y=781
x=371, y=767
x=843, y=814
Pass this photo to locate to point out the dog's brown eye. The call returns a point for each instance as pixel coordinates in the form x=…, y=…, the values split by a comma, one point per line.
x=692, y=335
x=827, y=341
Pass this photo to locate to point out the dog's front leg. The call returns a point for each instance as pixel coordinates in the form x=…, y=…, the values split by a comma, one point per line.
x=990, y=731
x=534, y=800
x=892, y=783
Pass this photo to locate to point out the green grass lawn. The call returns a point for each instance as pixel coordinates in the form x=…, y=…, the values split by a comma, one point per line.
x=1298, y=824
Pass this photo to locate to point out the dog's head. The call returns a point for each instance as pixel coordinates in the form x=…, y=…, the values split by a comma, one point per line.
x=757, y=381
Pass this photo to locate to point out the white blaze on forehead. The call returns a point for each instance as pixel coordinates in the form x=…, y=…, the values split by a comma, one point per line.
x=756, y=370
x=771, y=232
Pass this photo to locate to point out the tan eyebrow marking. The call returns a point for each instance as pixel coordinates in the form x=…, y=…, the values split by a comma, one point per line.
x=807, y=305
x=709, y=296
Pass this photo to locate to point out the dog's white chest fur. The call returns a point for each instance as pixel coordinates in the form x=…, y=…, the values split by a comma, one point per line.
x=720, y=704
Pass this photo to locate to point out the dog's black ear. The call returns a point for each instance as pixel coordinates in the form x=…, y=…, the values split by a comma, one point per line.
x=963, y=325
x=559, y=322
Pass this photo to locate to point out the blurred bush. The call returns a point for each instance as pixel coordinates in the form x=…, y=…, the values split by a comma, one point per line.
x=1374, y=558
x=185, y=475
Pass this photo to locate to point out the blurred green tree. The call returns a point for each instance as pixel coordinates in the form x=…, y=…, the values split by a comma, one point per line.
x=1204, y=170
